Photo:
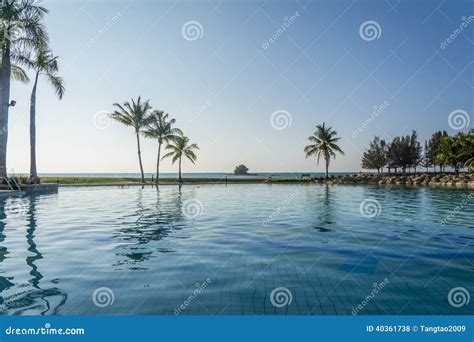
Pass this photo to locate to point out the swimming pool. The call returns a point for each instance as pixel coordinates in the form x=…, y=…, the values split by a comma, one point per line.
x=256, y=249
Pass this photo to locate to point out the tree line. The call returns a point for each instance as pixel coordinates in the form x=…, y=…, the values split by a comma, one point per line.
x=406, y=153
x=155, y=124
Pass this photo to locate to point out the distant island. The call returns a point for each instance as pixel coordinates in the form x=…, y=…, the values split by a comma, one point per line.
x=242, y=170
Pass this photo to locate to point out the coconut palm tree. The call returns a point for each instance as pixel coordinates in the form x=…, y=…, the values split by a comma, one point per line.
x=21, y=29
x=179, y=147
x=161, y=128
x=136, y=115
x=44, y=63
x=465, y=144
x=323, y=143
x=448, y=153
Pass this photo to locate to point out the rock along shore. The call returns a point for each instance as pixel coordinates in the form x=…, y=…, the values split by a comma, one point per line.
x=461, y=180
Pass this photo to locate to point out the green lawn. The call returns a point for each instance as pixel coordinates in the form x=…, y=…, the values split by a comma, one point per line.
x=137, y=181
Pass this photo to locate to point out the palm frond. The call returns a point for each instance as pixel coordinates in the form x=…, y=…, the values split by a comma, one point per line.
x=57, y=84
x=133, y=114
x=18, y=74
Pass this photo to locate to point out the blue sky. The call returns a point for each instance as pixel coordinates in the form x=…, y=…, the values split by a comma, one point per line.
x=223, y=87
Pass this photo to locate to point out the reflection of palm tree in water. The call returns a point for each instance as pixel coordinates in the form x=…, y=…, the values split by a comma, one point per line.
x=152, y=224
x=4, y=282
x=25, y=298
x=326, y=217
x=30, y=234
x=36, y=255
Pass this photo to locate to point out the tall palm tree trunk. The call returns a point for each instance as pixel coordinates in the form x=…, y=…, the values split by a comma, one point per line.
x=180, y=179
x=158, y=163
x=140, y=156
x=33, y=170
x=4, y=106
x=327, y=166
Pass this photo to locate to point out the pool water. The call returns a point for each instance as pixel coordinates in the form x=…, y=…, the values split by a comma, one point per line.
x=237, y=250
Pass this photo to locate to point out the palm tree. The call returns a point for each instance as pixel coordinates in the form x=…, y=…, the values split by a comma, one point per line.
x=21, y=29
x=179, y=147
x=448, y=153
x=44, y=64
x=136, y=115
x=465, y=143
x=161, y=128
x=469, y=164
x=323, y=144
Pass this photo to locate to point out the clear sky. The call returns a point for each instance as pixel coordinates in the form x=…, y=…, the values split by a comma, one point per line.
x=223, y=86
